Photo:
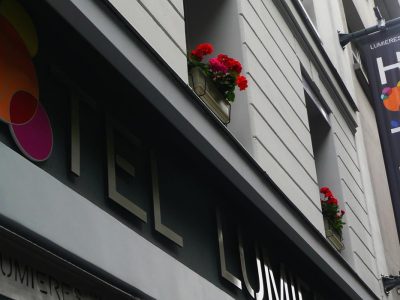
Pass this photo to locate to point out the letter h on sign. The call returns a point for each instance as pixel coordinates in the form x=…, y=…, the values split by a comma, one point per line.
x=382, y=69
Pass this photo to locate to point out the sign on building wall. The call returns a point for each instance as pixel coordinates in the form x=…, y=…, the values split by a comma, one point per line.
x=381, y=54
x=29, y=272
x=110, y=145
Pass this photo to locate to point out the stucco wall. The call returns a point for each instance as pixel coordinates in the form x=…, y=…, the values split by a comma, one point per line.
x=281, y=134
x=162, y=25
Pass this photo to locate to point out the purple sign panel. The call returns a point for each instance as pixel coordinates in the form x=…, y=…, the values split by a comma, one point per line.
x=381, y=56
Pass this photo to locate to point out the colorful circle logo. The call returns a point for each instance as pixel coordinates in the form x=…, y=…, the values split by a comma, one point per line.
x=391, y=97
x=19, y=90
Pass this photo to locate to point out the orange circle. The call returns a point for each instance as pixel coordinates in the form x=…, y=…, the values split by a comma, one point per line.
x=17, y=16
x=17, y=72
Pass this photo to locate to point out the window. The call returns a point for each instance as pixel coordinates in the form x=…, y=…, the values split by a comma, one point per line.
x=325, y=157
x=321, y=138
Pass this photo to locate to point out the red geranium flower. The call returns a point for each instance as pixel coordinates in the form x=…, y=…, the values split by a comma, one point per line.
x=234, y=65
x=241, y=82
x=223, y=58
x=217, y=66
x=332, y=201
x=202, y=50
x=330, y=210
x=324, y=189
x=231, y=63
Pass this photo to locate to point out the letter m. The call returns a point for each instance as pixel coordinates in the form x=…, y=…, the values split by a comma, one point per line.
x=21, y=276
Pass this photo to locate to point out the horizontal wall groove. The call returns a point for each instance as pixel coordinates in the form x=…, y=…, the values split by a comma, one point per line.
x=272, y=37
x=347, y=152
x=369, y=269
x=176, y=9
x=162, y=27
x=283, y=142
x=282, y=79
x=266, y=72
x=280, y=114
x=271, y=56
x=355, y=197
x=362, y=242
x=357, y=217
x=351, y=175
x=352, y=143
x=294, y=181
x=279, y=27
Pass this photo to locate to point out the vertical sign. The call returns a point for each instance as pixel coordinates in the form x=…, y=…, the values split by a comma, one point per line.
x=381, y=55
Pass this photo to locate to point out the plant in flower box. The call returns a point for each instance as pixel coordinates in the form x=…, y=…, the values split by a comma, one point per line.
x=333, y=218
x=215, y=81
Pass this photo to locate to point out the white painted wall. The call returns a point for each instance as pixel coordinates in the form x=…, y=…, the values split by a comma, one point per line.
x=280, y=130
x=330, y=19
x=162, y=25
x=282, y=140
x=364, y=9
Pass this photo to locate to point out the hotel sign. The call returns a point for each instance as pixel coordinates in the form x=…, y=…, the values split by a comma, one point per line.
x=20, y=280
x=28, y=272
x=381, y=54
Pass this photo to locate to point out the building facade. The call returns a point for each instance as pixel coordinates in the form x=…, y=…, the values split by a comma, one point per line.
x=118, y=182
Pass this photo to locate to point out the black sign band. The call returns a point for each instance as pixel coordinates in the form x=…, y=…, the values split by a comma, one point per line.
x=381, y=56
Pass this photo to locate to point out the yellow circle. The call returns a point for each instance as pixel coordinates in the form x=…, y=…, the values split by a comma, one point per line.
x=22, y=22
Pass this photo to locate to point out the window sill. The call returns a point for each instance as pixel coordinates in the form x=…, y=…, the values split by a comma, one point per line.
x=333, y=237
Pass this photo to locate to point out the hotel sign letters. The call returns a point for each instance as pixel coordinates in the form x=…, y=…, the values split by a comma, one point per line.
x=278, y=284
x=19, y=280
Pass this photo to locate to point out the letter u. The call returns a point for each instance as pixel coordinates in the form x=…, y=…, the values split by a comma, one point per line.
x=260, y=294
x=2, y=263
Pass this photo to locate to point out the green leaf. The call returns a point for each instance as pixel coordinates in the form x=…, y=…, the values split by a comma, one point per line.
x=230, y=96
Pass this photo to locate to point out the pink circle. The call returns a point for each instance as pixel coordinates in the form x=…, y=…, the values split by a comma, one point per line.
x=34, y=138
